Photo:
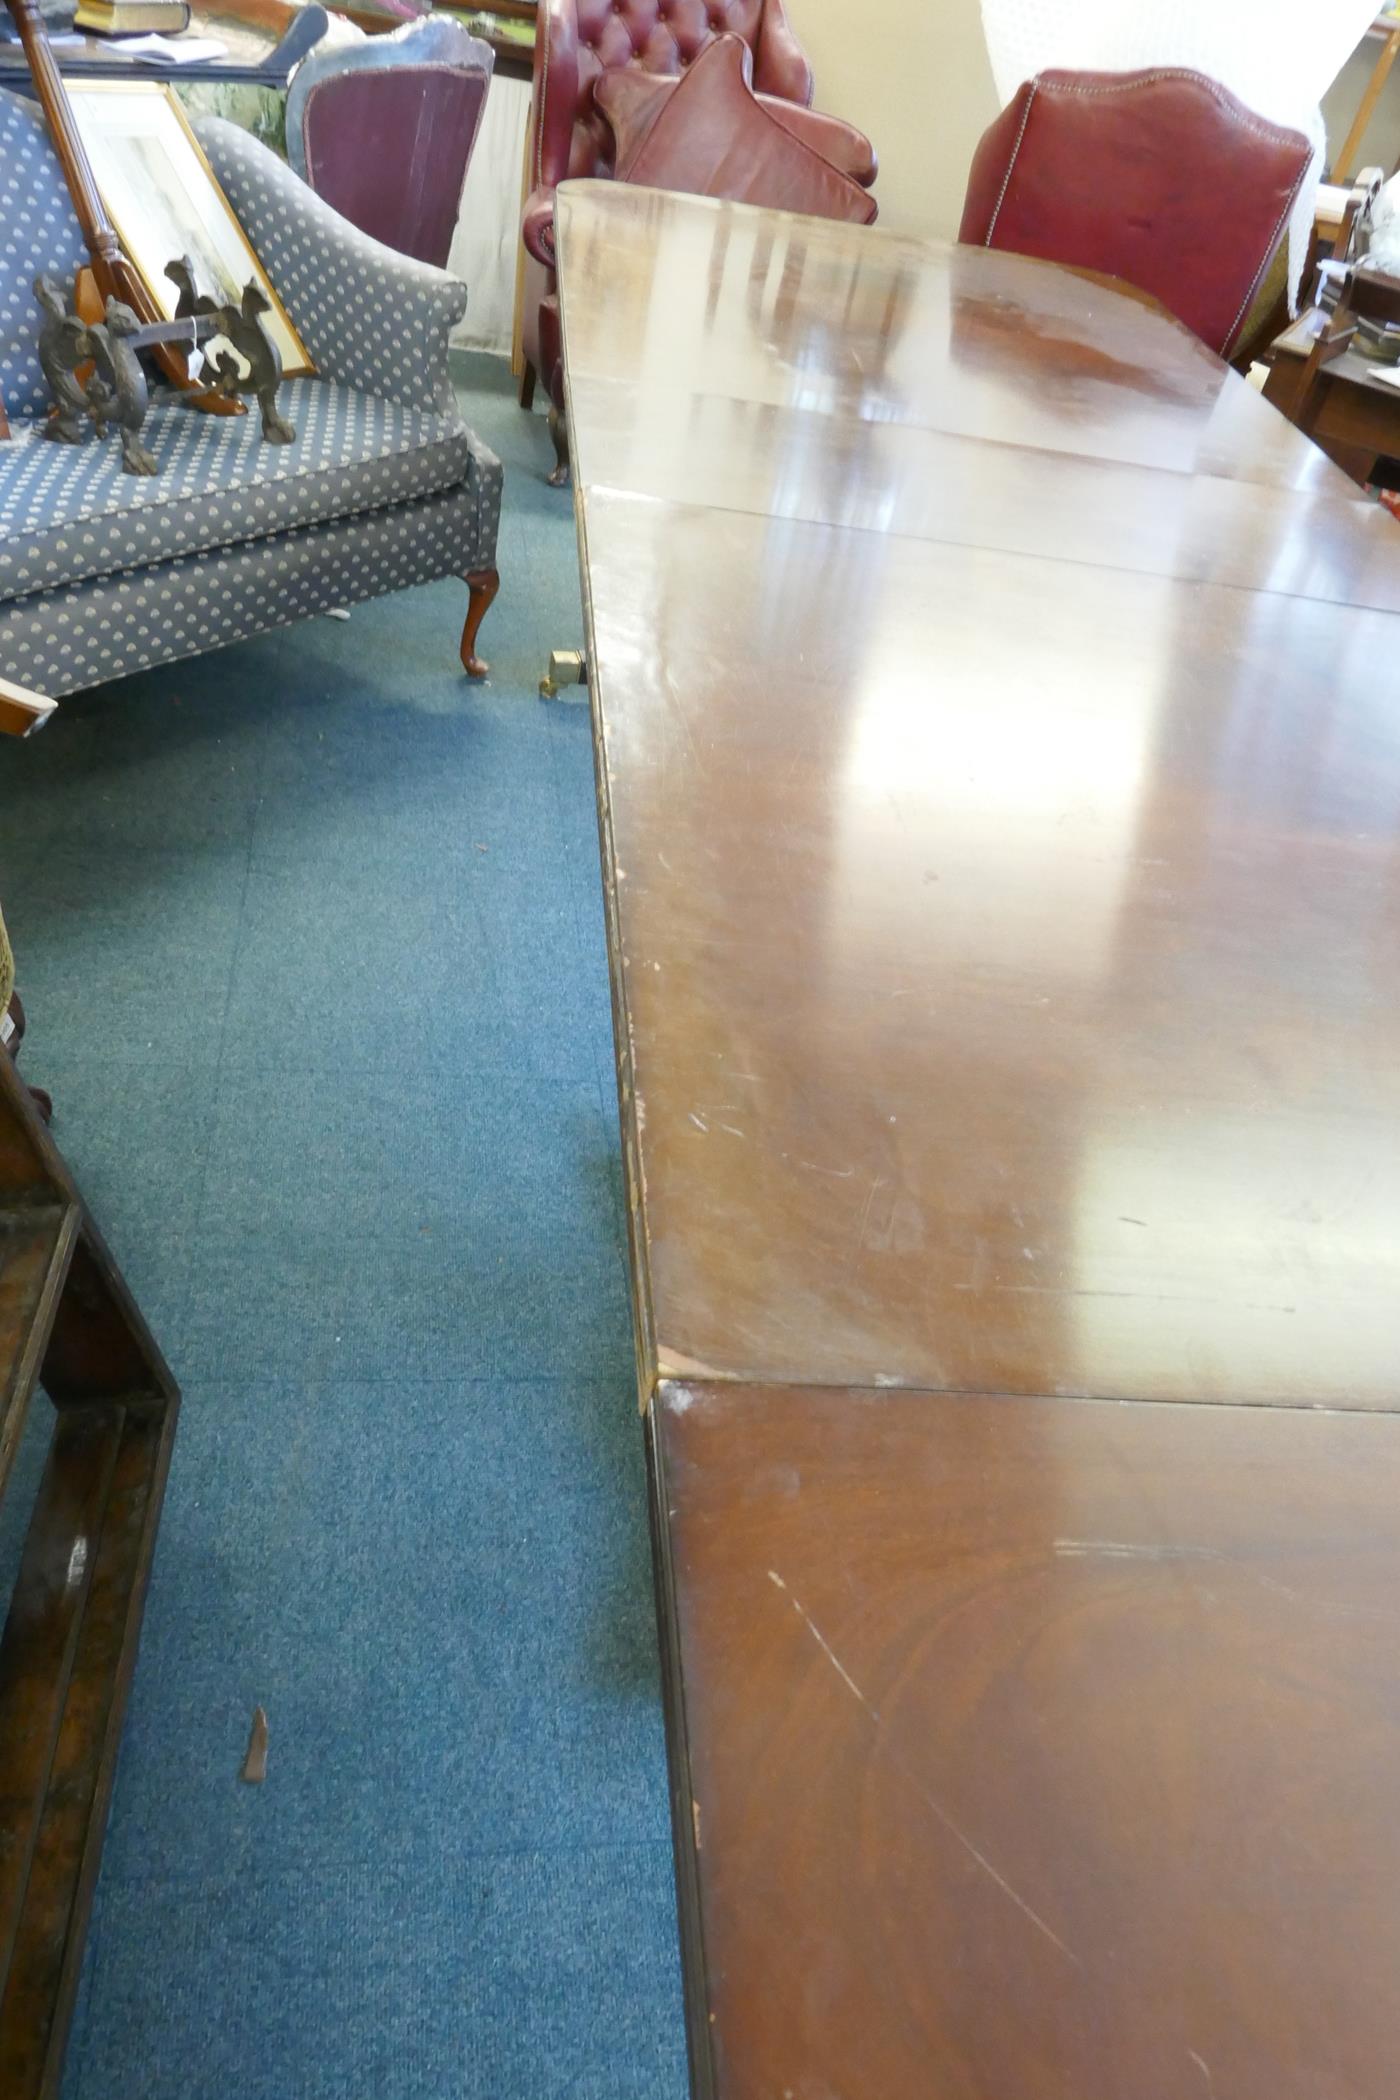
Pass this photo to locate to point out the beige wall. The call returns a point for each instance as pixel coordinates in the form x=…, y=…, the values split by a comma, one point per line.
x=914, y=75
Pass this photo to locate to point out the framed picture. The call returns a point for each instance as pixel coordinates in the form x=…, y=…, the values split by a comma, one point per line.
x=164, y=202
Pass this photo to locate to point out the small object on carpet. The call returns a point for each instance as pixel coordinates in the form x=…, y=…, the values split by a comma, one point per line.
x=255, y=1762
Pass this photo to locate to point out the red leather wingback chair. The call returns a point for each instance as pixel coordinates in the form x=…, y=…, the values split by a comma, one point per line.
x=576, y=39
x=1160, y=177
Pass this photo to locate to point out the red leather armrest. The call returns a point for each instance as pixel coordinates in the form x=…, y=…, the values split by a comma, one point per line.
x=537, y=226
x=713, y=137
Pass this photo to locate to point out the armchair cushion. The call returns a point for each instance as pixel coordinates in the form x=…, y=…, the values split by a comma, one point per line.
x=712, y=137
x=69, y=513
x=632, y=100
x=83, y=634
x=370, y=317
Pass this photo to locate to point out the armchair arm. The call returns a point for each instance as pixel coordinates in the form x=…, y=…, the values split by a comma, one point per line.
x=21, y=713
x=537, y=227
x=370, y=317
x=780, y=63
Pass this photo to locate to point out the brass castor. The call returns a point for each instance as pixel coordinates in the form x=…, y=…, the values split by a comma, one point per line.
x=566, y=667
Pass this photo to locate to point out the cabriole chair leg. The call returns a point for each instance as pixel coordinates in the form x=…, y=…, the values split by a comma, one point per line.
x=483, y=585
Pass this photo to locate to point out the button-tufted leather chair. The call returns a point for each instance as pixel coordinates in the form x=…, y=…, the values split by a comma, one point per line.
x=576, y=39
x=1160, y=177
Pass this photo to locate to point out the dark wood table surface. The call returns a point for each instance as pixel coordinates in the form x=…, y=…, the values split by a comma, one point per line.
x=998, y=732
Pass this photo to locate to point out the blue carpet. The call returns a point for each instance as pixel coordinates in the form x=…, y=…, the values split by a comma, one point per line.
x=311, y=940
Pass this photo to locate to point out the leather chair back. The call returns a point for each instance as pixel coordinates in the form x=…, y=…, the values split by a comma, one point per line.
x=578, y=38
x=1159, y=177
x=384, y=130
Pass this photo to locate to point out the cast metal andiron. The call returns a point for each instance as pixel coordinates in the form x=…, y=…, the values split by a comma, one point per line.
x=251, y=363
x=95, y=374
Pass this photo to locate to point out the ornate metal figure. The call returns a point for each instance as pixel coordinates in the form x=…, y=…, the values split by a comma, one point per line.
x=117, y=390
x=181, y=275
x=64, y=343
x=114, y=389
x=256, y=367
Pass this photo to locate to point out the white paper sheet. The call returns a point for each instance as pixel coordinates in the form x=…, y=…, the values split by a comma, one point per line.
x=1279, y=56
x=177, y=51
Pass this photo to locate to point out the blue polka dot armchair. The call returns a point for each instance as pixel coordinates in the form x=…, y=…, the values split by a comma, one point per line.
x=104, y=573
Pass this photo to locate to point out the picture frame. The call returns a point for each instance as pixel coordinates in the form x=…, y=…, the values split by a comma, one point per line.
x=164, y=201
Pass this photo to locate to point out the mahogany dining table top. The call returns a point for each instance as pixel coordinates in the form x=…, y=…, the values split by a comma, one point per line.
x=998, y=735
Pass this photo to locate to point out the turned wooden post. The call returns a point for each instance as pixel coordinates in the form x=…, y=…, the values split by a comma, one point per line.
x=111, y=273
x=114, y=275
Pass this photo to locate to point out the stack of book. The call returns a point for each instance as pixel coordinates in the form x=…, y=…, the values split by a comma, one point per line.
x=133, y=17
